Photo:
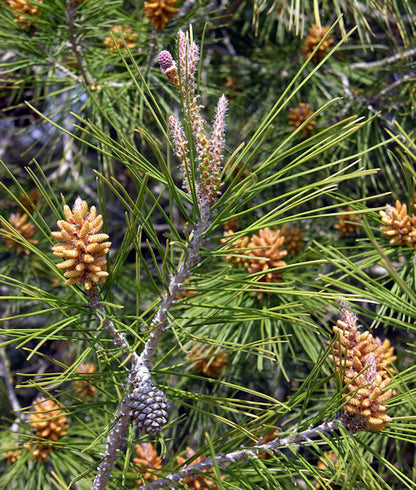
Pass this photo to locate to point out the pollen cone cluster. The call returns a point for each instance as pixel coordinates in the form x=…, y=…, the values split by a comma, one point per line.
x=120, y=33
x=83, y=248
x=29, y=203
x=148, y=462
x=26, y=8
x=399, y=227
x=298, y=115
x=328, y=460
x=293, y=239
x=347, y=222
x=316, y=34
x=195, y=482
x=23, y=227
x=49, y=422
x=364, y=363
x=231, y=225
x=267, y=253
x=12, y=455
x=208, y=360
x=83, y=387
x=160, y=11
x=238, y=249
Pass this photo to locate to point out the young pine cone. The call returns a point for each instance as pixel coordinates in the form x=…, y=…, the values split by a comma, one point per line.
x=298, y=115
x=24, y=228
x=84, y=254
x=315, y=36
x=399, y=227
x=49, y=422
x=363, y=362
x=148, y=408
x=160, y=11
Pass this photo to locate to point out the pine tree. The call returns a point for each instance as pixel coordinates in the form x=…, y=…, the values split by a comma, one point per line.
x=207, y=244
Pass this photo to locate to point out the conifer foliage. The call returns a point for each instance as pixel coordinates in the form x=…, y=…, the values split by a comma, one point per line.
x=196, y=214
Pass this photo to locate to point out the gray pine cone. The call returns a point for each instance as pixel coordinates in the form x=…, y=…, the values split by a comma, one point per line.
x=148, y=408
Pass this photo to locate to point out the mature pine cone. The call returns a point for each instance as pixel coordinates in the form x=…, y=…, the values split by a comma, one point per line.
x=148, y=408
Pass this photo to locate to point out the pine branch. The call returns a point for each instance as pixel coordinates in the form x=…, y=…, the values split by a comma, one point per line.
x=385, y=61
x=244, y=454
x=14, y=402
x=140, y=373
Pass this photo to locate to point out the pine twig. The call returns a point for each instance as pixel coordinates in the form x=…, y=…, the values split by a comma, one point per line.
x=14, y=403
x=384, y=61
x=140, y=372
x=71, y=16
x=243, y=454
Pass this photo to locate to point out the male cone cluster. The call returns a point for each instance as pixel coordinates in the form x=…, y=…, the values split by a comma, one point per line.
x=49, y=422
x=22, y=226
x=267, y=252
x=298, y=115
x=363, y=361
x=160, y=12
x=27, y=9
x=83, y=248
x=399, y=227
x=312, y=40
